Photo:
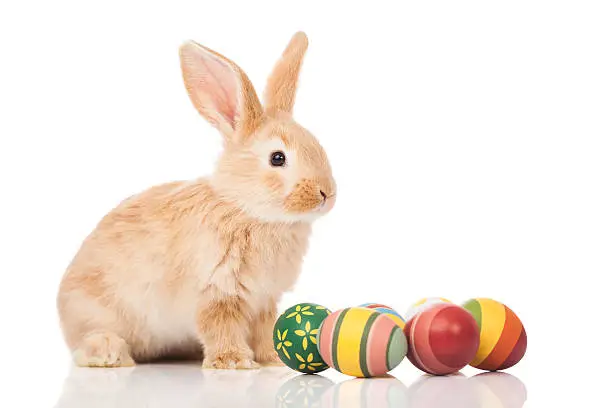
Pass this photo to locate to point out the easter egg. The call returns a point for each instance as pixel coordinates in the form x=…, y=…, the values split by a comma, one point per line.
x=442, y=339
x=384, y=309
x=295, y=337
x=503, y=340
x=424, y=304
x=361, y=342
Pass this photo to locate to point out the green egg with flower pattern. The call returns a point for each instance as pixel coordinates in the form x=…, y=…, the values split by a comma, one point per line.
x=295, y=337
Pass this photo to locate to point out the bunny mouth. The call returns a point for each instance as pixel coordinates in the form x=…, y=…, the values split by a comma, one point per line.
x=326, y=203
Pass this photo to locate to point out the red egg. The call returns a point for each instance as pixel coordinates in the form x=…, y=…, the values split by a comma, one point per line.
x=442, y=339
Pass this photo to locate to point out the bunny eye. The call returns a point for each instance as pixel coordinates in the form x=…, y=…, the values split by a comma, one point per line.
x=277, y=159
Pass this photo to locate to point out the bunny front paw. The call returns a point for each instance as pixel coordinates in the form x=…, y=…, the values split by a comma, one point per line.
x=103, y=349
x=229, y=360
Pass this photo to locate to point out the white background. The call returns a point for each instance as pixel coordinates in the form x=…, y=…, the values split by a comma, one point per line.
x=471, y=142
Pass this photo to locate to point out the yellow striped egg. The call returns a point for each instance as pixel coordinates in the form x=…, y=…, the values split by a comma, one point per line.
x=361, y=342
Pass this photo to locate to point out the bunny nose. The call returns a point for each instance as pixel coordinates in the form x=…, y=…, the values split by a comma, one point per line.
x=323, y=194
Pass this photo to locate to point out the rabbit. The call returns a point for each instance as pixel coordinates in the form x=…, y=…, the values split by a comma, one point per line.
x=195, y=269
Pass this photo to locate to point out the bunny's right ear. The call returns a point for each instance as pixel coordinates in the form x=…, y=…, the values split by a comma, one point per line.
x=279, y=95
x=220, y=91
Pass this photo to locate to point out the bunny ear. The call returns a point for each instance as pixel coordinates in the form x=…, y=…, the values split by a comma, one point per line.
x=282, y=83
x=220, y=91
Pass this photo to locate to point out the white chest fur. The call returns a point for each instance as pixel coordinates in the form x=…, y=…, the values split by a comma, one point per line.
x=257, y=264
x=260, y=262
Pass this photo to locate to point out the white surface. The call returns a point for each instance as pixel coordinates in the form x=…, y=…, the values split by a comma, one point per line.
x=189, y=386
x=471, y=143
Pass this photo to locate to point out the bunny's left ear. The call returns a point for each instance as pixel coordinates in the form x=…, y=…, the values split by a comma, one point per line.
x=279, y=95
x=220, y=91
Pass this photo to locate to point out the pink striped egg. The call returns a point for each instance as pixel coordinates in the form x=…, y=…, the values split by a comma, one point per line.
x=361, y=342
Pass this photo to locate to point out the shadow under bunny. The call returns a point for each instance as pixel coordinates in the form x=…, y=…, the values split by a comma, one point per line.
x=183, y=385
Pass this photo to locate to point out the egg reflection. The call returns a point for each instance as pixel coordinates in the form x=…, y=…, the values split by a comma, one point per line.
x=186, y=386
x=499, y=390
x=443, y=392
x=303, y=391
x=367, y=393
x=490, y=390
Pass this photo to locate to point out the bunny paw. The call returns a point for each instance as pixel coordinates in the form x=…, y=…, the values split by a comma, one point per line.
x=268, y=358
x=103, y=350
x=229, y=360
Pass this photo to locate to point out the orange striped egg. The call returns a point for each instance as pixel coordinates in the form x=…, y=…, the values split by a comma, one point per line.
x=384, y=309
x=361, y=342
x=503, y=340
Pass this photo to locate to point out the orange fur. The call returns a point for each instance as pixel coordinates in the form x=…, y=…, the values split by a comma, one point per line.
x=282, y=84
x=197, y=267
x=303, y=197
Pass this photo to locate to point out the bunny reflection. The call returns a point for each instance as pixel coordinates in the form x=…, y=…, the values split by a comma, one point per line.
x=171, y=385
